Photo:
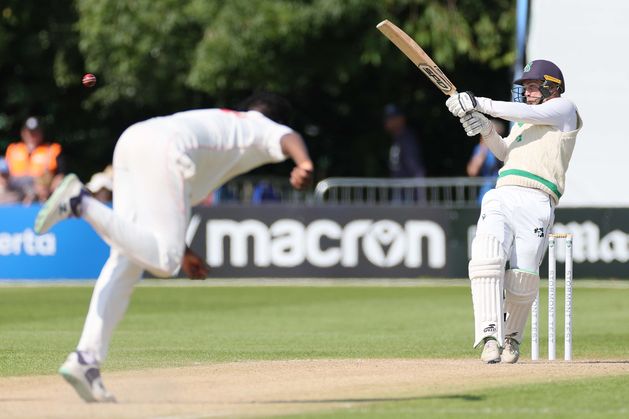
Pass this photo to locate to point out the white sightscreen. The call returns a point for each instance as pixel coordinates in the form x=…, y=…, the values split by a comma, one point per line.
x=588, y=41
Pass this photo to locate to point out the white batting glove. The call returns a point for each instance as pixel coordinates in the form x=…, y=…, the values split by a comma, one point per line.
x=475, y=123
x=462, y=103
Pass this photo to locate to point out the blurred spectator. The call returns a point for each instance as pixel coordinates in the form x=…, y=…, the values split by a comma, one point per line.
x=405, y=154
x=32, y=158
x=484, y=163
x=101, y=185
x=39, y=190
x=225, y=194
x=8, y=193
x=264, y=192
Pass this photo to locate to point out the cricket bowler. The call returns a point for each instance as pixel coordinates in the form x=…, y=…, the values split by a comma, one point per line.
x=516, y=216
x=163, y=166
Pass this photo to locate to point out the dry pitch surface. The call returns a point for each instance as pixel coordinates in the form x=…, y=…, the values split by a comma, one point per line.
x=264, y=388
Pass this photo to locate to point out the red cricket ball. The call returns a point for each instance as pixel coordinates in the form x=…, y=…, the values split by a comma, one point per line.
x=89, y=80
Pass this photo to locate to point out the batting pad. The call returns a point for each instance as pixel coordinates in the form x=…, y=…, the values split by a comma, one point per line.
x=486, y=270
x=521, y=289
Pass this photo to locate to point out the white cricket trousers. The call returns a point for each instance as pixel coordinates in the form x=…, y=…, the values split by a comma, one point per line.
x=145, y=229
x=520, y=219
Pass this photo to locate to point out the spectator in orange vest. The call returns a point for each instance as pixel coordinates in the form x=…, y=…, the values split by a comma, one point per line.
x=33, y=158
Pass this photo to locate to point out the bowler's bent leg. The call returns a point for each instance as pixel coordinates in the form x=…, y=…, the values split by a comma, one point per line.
x=151, y=208
x=148, y=247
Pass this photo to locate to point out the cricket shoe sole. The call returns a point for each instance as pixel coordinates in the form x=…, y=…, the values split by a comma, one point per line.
x=86, y=379
x=63, y=203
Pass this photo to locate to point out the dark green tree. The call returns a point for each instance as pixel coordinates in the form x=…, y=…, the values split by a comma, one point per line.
x=156, y=57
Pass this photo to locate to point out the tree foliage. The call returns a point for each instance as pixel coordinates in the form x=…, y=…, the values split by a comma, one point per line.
x=155, y=57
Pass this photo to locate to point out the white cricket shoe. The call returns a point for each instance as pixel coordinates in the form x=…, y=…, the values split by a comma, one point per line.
x=491, y=351
x=63, y=203
x=511, y=351
x=85, y=378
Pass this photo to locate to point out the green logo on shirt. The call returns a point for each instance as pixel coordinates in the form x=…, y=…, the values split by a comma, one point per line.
x=518, y=138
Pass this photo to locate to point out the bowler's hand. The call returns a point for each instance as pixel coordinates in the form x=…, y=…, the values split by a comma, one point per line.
x=193, y=266
x=301, y=176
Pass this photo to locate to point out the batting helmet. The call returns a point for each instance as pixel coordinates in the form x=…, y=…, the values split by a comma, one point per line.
x=543, y=70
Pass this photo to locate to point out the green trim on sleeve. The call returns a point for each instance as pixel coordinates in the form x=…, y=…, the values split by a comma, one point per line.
x=524, y=173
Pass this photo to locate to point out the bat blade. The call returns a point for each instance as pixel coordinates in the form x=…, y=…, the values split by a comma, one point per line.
x=417, y=55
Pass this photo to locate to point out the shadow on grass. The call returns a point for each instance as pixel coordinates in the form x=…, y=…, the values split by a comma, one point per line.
x=465, y=397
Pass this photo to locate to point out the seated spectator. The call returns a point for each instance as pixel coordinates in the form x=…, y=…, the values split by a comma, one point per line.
x=33, y=157
x=101, y=185
x=9, y=194
x=39, y=191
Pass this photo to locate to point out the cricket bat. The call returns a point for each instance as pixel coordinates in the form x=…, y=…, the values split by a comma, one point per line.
x=417, y=55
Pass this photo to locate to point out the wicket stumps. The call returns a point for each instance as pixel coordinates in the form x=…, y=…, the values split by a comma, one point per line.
x=552, y=299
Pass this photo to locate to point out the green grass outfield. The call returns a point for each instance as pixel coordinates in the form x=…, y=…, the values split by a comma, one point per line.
x=170, y=326
x=585, y=398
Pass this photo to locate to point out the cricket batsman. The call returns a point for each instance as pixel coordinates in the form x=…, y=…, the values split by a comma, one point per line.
x=517, y=215
x=162, y=167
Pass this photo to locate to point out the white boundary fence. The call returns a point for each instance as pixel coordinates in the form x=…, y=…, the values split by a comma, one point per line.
x=451, y=192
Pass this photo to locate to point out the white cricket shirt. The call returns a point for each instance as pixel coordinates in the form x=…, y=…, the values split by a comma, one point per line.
x=212, y=146
x=537, y=151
